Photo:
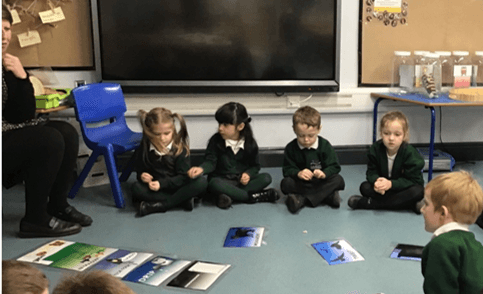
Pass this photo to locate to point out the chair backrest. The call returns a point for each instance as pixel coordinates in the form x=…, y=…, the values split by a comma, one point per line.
x=100, y=109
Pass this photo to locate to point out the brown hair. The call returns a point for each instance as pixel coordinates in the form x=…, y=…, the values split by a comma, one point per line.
x=393, y=116
x=306, y=115
x=162, y=115
x=93, y=282
x=6, y=15
x=20, y=278
x=460, y=193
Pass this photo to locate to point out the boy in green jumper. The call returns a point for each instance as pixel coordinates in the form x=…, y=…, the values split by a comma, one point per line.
x=452, y=261
x=310, y=166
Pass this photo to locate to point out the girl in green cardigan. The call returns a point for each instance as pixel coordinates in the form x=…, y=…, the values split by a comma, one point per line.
x=162, y=162
x=394, y=171
x=231, y=161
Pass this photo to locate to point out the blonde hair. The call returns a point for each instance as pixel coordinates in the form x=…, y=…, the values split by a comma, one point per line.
x=162, y=115
x=306, y=115
x=395, y=116
x=94, y=282
x=460, y=193
x=20, y=278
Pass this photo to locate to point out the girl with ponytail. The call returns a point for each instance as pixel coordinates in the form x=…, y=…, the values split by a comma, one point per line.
x=162, y=162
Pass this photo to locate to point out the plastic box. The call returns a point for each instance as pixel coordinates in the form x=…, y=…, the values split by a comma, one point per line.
x=441, y=160
x=47, y=101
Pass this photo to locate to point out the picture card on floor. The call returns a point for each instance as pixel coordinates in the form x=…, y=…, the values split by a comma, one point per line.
x=121, y=262
x=199, y=276
x=408, y=252
x=337, y=252
x=78, y=256
x=154, y=272
x=244, y=237
x=39, y=254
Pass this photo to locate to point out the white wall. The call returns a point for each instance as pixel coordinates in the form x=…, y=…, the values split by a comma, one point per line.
x=346, y=116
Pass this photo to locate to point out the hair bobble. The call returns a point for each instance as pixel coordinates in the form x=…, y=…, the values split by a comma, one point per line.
x=249, y=119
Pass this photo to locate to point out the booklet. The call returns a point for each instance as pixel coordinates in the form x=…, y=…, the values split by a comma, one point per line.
x=199, y=276
x=78, y=256
x=337, y=252
x=244, y=237
x=408, y=252
x=121, y=262
x=154, y=272
x=39, y=254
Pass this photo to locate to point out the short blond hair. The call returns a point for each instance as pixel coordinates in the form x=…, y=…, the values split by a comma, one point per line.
x=94, y=282
x=20, y=277
x=460, y=193
x=306, y=115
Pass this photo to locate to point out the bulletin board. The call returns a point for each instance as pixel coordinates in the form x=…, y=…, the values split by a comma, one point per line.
x=430, y=25
x=64, y=44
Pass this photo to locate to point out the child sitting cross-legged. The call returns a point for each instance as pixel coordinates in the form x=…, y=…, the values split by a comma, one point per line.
x=452, y=261
x=310, y=166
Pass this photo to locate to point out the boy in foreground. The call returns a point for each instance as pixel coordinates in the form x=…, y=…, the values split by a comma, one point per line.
x=452, y=261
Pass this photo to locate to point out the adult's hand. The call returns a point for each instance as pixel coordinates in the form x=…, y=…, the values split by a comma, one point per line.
x=13, y=64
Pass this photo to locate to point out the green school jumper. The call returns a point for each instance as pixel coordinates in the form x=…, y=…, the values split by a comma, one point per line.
x=453, y=263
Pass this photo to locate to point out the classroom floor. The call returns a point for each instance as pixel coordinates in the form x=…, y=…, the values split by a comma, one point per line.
x=285, y=263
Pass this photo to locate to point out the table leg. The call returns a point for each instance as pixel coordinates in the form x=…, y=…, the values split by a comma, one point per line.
x=374, y=122
x=431, y=144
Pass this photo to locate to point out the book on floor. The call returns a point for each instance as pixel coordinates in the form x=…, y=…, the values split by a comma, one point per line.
x=337, y=252
x=199, y=276
x=121, y=262
x=244, y=237
x=408, y=252
x=78, y=256
x=157, y=270
x=38, y=255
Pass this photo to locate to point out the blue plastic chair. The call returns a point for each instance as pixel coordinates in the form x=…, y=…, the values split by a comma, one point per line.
x=100, y=109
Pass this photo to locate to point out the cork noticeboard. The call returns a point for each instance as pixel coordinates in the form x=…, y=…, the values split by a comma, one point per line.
x=64, y=44
x=431, y=25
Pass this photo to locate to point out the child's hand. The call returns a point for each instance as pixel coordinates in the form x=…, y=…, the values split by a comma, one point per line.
x=245, y=178
x=319, y=174
x=195, y=171
x=146, y=178
x=382, y=184
x=154, y=186
x=305, y=174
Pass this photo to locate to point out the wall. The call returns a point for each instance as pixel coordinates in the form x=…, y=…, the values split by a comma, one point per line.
x=346, y=116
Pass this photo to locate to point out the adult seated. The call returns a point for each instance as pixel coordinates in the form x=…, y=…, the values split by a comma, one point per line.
x=43, y=153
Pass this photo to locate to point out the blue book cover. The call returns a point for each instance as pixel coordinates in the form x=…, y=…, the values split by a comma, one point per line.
x=407, y=252
x=122, y=262
x=337, y=252
x=156, y=271
x=244, y=237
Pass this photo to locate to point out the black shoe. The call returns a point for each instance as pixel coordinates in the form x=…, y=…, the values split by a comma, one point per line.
x=55, y=228
x=354, y=201
x=70, y=214
x=146, y=208
x=334, y=200
x=268, y=195
x=417, y=207
x=223, y=201
x=189, y=204
x=295, y=202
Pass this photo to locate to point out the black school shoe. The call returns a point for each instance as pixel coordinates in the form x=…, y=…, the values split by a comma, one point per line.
x=295, y=202
x=146, y=208
x=479, y=221
x=70, y=214
x=189, y=204
x=223, y=201
x=55, y=228
x=334, y=200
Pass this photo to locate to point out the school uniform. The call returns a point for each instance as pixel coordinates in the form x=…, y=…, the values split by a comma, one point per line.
x=452, y=261
x=320, y=155
x=225, y=162
x=171, y=172
x=406, y=177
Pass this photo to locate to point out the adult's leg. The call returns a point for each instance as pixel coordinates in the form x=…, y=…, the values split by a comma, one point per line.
x=65, y=176
x=38, y=152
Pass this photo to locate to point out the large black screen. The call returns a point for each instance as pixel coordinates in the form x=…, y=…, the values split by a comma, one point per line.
x=204, y=44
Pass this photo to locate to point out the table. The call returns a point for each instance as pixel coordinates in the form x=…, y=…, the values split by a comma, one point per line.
x=53, y=109
x=419, y=99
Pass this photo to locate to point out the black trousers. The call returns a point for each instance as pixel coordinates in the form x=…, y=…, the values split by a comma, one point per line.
x=315, y=190
x=392, y=200
x=46, y=157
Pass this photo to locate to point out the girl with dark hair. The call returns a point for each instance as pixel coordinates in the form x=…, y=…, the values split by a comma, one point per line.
x=41, y=153
x=231, y=161
x=162, y=163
